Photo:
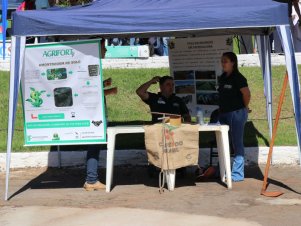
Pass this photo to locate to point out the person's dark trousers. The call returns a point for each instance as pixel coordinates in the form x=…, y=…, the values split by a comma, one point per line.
x=92, y=163
x=236, y=121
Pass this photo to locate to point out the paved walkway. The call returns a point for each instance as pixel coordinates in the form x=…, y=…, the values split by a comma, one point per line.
x=55, y=197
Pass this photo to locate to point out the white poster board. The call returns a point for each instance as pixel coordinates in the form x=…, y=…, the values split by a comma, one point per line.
x=62, y=93
x=195, y=64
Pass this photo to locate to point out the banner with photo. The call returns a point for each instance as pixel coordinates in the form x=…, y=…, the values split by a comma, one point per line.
x=195, y=64
x=62, y=94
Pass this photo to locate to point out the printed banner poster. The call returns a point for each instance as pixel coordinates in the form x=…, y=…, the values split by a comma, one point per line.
x=195, y=64
x=62, y=93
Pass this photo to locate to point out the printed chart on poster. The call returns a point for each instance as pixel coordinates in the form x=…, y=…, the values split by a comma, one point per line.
x=195, y=64
x=62, y=93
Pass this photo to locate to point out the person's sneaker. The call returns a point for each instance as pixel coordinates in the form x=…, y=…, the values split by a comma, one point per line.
x=94, y=187
x=237, y=180
x=209, y=173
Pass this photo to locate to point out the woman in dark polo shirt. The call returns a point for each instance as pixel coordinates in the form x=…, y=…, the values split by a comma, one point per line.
x=233, y=105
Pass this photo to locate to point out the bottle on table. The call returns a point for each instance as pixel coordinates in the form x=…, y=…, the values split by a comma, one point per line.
x=200, y=116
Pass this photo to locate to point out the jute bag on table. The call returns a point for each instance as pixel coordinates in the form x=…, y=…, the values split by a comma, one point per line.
x=169, y=147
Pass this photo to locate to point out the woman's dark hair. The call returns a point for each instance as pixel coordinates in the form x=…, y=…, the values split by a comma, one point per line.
x=164, y=78
x=233, y=58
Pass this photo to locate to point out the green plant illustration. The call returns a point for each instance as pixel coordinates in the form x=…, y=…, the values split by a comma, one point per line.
x=35, y=97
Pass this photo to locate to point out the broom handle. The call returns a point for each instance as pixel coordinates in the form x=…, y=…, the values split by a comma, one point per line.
x=267, y=168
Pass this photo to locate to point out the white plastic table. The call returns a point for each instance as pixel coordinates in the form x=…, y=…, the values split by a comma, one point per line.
x=221, y=133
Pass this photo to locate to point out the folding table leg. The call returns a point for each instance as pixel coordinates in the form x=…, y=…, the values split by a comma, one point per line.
x=170, y=178
x=222, y=168
x=110, y=159
x=226, y=156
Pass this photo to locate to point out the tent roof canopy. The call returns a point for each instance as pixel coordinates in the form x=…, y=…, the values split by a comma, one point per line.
x=111, y=18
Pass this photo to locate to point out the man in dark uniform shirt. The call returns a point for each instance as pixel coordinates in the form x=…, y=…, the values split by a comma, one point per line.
x=165, y=101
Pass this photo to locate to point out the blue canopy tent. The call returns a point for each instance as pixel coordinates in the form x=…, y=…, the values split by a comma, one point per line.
x=145, y=18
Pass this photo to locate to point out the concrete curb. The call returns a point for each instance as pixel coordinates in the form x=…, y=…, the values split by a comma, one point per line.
x=245, y=60
x=254, y=155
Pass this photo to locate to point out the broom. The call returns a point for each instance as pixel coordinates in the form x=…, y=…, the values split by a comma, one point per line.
x=265, y=180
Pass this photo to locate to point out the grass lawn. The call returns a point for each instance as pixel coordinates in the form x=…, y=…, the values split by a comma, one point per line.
x=126, y=108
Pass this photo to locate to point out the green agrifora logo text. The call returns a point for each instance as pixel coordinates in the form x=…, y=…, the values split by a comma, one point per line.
x=59, y=52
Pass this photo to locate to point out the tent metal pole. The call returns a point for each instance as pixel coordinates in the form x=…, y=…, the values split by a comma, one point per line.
x=10, y=115
x=17, y=56
x=292, y=69
x=268, y=79
x=269, y=83
x=264, y=52
x=59, y=156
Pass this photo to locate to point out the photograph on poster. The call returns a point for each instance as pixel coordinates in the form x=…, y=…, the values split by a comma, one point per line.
x=199, y=75
x=183, y=87
x=206, y=85
x=93, y=70
x=189, y=100
x=207, y=98
x=183, y=75
x=56, y=73
x=63, y=97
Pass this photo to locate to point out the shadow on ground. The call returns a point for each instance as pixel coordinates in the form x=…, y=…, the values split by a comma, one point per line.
x=54, y=178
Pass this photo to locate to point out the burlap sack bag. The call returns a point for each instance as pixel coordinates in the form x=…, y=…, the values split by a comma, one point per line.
x=170, y=147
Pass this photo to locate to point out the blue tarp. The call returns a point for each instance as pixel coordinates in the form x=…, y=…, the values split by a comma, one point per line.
x=146, y=17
